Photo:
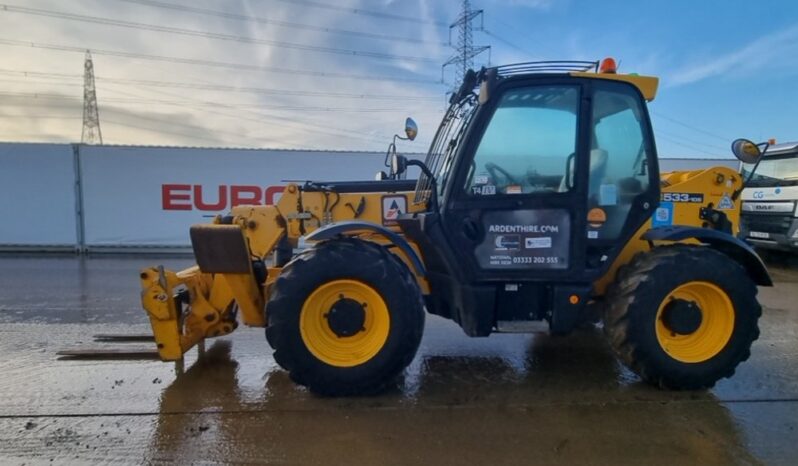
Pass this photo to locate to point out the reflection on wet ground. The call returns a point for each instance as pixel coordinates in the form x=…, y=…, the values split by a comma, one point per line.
x=506, y=399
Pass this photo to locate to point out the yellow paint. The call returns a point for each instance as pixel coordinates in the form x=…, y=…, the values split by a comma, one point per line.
x=646, y=84
x=717, y=323
x=350, y=351
x=713, y=183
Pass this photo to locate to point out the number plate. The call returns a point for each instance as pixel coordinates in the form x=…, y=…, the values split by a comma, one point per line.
x=758, y=234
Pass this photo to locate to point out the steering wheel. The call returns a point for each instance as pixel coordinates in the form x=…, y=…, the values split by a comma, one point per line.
x=494, y=169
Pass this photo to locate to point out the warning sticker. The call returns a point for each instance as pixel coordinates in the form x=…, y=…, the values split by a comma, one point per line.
x=392, y=207
x=726, y=203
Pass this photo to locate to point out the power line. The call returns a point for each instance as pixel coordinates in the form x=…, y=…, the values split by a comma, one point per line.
x=278, y=120
x=163, y=131
x=210, y=35
x=690, y=140
x=39, y=117
x=210, y=63
x=145, y=101
x=274, y=22
x=217, y=87
x=360, y=11
x=688, y=126
x=687, y=146
x=506, y=42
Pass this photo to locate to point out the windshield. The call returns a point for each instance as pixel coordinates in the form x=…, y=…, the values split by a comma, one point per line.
x=774, y=171
x=444, y=146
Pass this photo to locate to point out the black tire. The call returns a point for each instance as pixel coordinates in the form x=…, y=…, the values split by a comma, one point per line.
x=338, y=259
x=635, y=297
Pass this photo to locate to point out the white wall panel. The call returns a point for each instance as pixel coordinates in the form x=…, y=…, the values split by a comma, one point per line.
x=37, y=195
x=136, y=196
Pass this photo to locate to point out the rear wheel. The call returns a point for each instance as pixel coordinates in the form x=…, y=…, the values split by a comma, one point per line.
x=345, y=317
x=682, y=316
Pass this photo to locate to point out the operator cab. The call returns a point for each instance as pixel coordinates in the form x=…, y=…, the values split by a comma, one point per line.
x=533, y=185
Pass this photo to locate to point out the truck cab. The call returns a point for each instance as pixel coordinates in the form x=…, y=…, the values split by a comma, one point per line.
x=769, y=217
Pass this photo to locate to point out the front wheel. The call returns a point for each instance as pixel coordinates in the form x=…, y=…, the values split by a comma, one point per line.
x=682, y=316
x=345, y=317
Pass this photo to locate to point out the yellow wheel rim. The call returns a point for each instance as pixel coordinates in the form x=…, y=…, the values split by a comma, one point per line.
x=344, y=351
x=714, y=332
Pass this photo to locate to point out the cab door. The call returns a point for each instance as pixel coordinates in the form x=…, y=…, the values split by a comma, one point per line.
x=519, y=193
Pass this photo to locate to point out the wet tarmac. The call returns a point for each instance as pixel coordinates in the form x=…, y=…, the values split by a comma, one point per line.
x=506, y=399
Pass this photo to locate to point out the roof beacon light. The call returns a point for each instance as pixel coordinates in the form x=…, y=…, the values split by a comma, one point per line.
x=608, y=66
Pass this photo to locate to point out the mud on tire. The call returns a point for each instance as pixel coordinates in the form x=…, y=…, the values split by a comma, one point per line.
x=641, y=287
x=345, y=259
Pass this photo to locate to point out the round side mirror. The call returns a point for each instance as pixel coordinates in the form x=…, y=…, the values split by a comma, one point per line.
x=381, y=175
x=411, y=129
x=398, y=164
x=746, y=151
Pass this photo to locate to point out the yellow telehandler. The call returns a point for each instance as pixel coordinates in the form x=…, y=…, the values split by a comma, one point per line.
x=539, y=201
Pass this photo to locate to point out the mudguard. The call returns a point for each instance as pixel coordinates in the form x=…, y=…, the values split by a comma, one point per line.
x=342, y=228
x=723, y=242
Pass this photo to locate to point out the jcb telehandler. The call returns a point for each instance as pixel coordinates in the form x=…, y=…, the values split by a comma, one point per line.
x=540, y=201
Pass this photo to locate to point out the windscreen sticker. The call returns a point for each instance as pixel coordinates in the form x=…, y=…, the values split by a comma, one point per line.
x=726, y=203
x=663, y=216
x=513, y=189
x=525, y=239
x=486, y=190
x=481, y=179
x=608, y=194
x=696, y=198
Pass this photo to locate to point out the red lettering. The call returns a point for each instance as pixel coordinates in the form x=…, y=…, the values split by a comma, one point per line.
x=188, y=197
x=272, y=192
x=169, y=196
x=245, y=195
x=221, y=203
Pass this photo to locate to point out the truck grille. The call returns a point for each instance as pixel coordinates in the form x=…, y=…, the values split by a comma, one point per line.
x=778, y=224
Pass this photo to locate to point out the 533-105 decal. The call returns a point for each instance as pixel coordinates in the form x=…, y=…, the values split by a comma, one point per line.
x=683, y=197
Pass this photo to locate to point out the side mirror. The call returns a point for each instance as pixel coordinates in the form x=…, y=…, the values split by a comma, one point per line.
x=746, y=151
x=398, y=164
x=381, y=175
x=411, y=129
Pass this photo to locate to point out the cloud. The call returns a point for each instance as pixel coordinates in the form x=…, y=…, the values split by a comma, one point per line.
x=767, y=52
x=333, y=112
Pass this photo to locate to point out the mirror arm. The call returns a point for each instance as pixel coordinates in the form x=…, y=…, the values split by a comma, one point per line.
x=391, y=150
x=739, y=191
x=433, y=199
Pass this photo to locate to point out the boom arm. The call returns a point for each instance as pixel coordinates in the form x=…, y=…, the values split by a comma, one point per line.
x=231, y=274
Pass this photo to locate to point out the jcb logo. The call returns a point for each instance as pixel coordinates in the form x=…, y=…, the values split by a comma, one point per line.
x=222, y=198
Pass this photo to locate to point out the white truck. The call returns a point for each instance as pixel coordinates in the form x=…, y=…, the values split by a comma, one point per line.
x=770, y=200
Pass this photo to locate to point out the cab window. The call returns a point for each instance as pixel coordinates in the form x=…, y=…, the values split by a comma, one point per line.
x=529, y=143
x=618, y=155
